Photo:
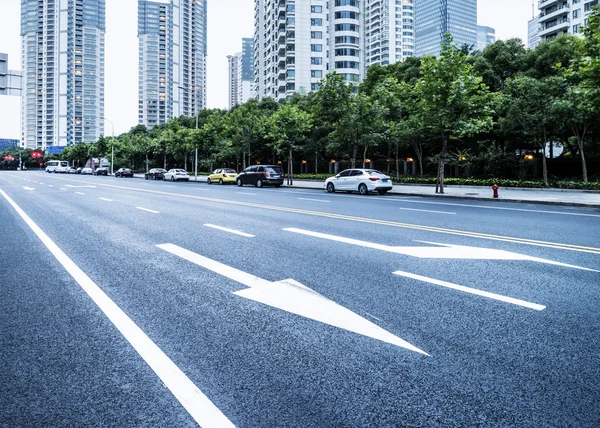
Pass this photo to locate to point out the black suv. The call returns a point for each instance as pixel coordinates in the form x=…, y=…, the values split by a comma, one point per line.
x=260, y=175
x=124, y=172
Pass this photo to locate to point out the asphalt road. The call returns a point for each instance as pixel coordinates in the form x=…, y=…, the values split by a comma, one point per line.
x=128, y=302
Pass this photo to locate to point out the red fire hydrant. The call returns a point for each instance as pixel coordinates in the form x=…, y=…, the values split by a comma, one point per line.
x=495, y=188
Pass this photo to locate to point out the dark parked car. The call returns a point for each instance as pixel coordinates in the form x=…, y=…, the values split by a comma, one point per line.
x=155, y=174
x=101, y=171
x=260, y=175
x=124, y=172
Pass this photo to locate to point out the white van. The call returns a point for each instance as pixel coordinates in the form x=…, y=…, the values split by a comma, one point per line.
x=57, y=166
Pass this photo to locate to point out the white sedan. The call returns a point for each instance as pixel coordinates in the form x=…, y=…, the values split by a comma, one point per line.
x=177, y=174
x=362, y=181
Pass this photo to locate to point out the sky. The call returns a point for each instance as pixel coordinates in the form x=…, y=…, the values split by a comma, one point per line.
x=228, y=22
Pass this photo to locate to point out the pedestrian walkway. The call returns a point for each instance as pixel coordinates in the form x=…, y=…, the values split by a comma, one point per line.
x=584, y=198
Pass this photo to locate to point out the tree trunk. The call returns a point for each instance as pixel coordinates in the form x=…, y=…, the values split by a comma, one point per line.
x=185, y=161
x=290, y=168
x=397, y=160
x=544, y=164
x=316, y=162
x=147, y=161
x=583, y=163
x=244, y=159
x=165, y=159
x=442, y=163
x=354, y=152
x=365, y=156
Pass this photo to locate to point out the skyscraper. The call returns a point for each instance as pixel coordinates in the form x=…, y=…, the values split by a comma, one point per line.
x=389, y=31
x=241, y=74
x=485, y=37
x=433, y=18
x=533, y=29
x=10, y=80
x=298, y=41
x=63, y=71
x=172, y=59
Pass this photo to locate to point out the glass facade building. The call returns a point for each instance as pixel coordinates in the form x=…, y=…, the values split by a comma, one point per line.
x=433, y=18
x=241, y=74
x=172, y=59
x=485, y=37
x=63, y=71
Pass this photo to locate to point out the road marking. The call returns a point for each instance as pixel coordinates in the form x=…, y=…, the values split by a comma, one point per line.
x=246, y=193
x=62, y=188
x=28, y=188
x=314, y=200
x=472, y=291
x=491, y=208
x=204, y=412
x=79, y=193
x=292, y=296
x=146, y=209
x=441, y=251
x=105, y=199
x=50, y=185
x=80, y=187
x=427, y=211
x=41, y=182
x=515, y=240
x=237, y=232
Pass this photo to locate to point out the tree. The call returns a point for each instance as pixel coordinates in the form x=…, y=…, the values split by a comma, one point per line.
x=288, y=127
x=452, y=100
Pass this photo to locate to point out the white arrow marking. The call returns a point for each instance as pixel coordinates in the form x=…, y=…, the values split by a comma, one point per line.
x=444, y=251
x=291, y=296
x=28, y=188
x=470, y=290
x=80, y=187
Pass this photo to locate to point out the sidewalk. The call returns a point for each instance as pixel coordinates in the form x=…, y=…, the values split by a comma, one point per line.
x=568, y=197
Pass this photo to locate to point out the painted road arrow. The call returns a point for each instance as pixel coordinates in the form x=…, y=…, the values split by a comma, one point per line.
x=291, y=296
x=441, y=251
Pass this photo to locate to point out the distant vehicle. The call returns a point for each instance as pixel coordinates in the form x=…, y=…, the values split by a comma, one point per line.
x=124, y=172
x=72, y=170
x=57, y=166
x=79, y=170
x=362, y=181
x=87, y=171
x=177, y=174
x=222, y=175
x=260, y=175
x=101, y=171
x=155, y=174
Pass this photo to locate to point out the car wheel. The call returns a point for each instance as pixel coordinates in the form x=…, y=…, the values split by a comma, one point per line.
x=154, y=177
x=220, y=181
x=146, y=177
x=208, y=181
x=172, y=178
x=259, y=183
x=362, y=189
x=239, y=182
x=277, y=186
x=382, y=192
x=330, y=188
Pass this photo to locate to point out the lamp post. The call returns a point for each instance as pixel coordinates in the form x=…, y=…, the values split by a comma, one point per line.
x=112, y=143
x=195, y=114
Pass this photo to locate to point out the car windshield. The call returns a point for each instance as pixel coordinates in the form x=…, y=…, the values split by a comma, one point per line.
x=274, y=170
x=374, y=172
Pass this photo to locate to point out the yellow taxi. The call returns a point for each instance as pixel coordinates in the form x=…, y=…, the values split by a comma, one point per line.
x=222, y=176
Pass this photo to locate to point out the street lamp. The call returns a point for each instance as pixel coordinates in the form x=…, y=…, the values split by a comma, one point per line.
x=112, y=143
x=196, y=114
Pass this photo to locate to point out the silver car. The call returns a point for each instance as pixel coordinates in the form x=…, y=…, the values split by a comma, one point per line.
x=177, y=174
x=362, y=181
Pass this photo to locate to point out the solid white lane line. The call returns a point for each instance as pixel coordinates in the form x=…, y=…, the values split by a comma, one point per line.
x=79, y=193
x=105, y=199
x=245, y=193
x=147, y=210
x=204, y=412
x=237, y=232
x=314, y=200
x=427, y=211
x=472, y=291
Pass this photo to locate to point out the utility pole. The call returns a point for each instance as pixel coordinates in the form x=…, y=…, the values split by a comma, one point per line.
x=112, y=143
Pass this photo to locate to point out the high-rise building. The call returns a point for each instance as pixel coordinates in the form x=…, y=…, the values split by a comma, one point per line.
x=10, y=80
x=559, y=17
x=485, y=37
x=63, y=71
x=434, y=18
x=241, y=74
x=533, y=30
x=389, y=31
x=298, y=41
x=172, y=59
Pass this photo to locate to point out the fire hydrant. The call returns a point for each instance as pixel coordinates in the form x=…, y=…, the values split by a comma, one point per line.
x=495, y=188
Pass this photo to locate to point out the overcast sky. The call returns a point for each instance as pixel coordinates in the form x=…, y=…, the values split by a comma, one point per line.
x=228, y=22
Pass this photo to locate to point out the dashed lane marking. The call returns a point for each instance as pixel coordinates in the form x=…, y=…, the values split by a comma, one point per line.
x=225, y=229
x=148, y=210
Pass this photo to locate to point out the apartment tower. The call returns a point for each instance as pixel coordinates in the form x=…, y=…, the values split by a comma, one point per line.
x=389, y=33
x=434, y=18
x=172, y=59
x=241, y=74
x=559, y=17
x=298, y=41
x=63, y=72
